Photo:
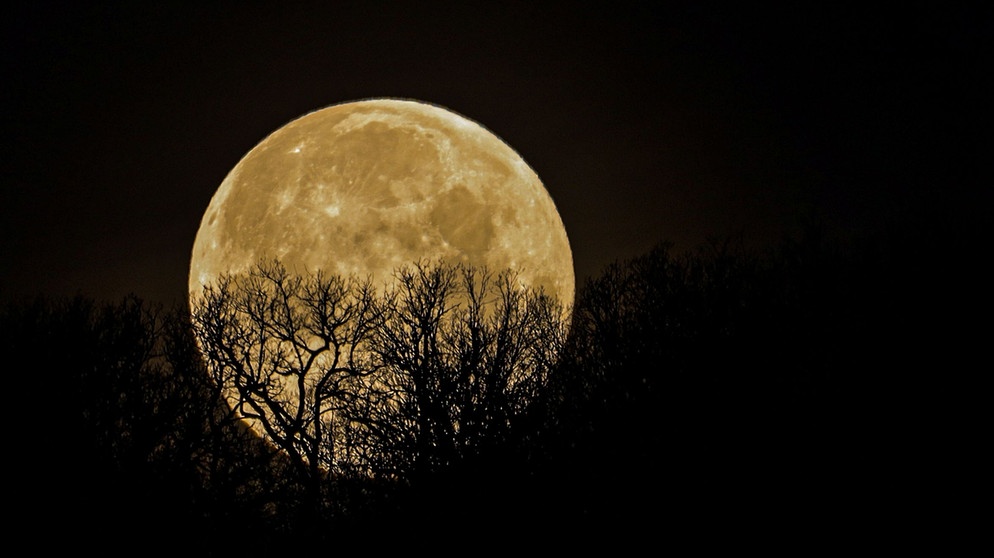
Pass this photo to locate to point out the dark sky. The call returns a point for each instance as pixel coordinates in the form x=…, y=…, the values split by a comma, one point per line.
x=647, y=122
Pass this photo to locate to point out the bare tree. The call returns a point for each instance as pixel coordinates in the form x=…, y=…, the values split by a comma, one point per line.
x=462, y=352
x=285, y=349
x=352, y=383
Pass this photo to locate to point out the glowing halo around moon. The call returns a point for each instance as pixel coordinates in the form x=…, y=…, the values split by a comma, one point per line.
x=363, y=188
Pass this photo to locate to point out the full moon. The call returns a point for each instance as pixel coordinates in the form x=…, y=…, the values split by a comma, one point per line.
x=364, y=188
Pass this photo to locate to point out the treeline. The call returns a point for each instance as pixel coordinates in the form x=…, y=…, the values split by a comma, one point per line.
x=724, y=386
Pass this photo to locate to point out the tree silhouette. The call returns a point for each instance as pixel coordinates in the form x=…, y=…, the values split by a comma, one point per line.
x=128, y=432
x=463, y=353
x=285, y=350
x=701, y=386
x=352, y=384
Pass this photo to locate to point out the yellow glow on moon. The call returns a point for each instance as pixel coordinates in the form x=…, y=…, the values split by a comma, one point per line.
x=364, y=188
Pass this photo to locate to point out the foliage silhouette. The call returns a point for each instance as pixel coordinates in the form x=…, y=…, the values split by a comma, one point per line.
x=129, y=435
x=351, y=383
x=717, y=388
x=354, y=386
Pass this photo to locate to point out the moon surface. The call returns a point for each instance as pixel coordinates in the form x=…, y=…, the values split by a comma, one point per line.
x=364, y=188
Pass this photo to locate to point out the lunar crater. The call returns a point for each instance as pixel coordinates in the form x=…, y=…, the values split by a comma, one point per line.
x=368, y=186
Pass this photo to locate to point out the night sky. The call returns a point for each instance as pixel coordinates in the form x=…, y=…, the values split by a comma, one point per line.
x=647, y=122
